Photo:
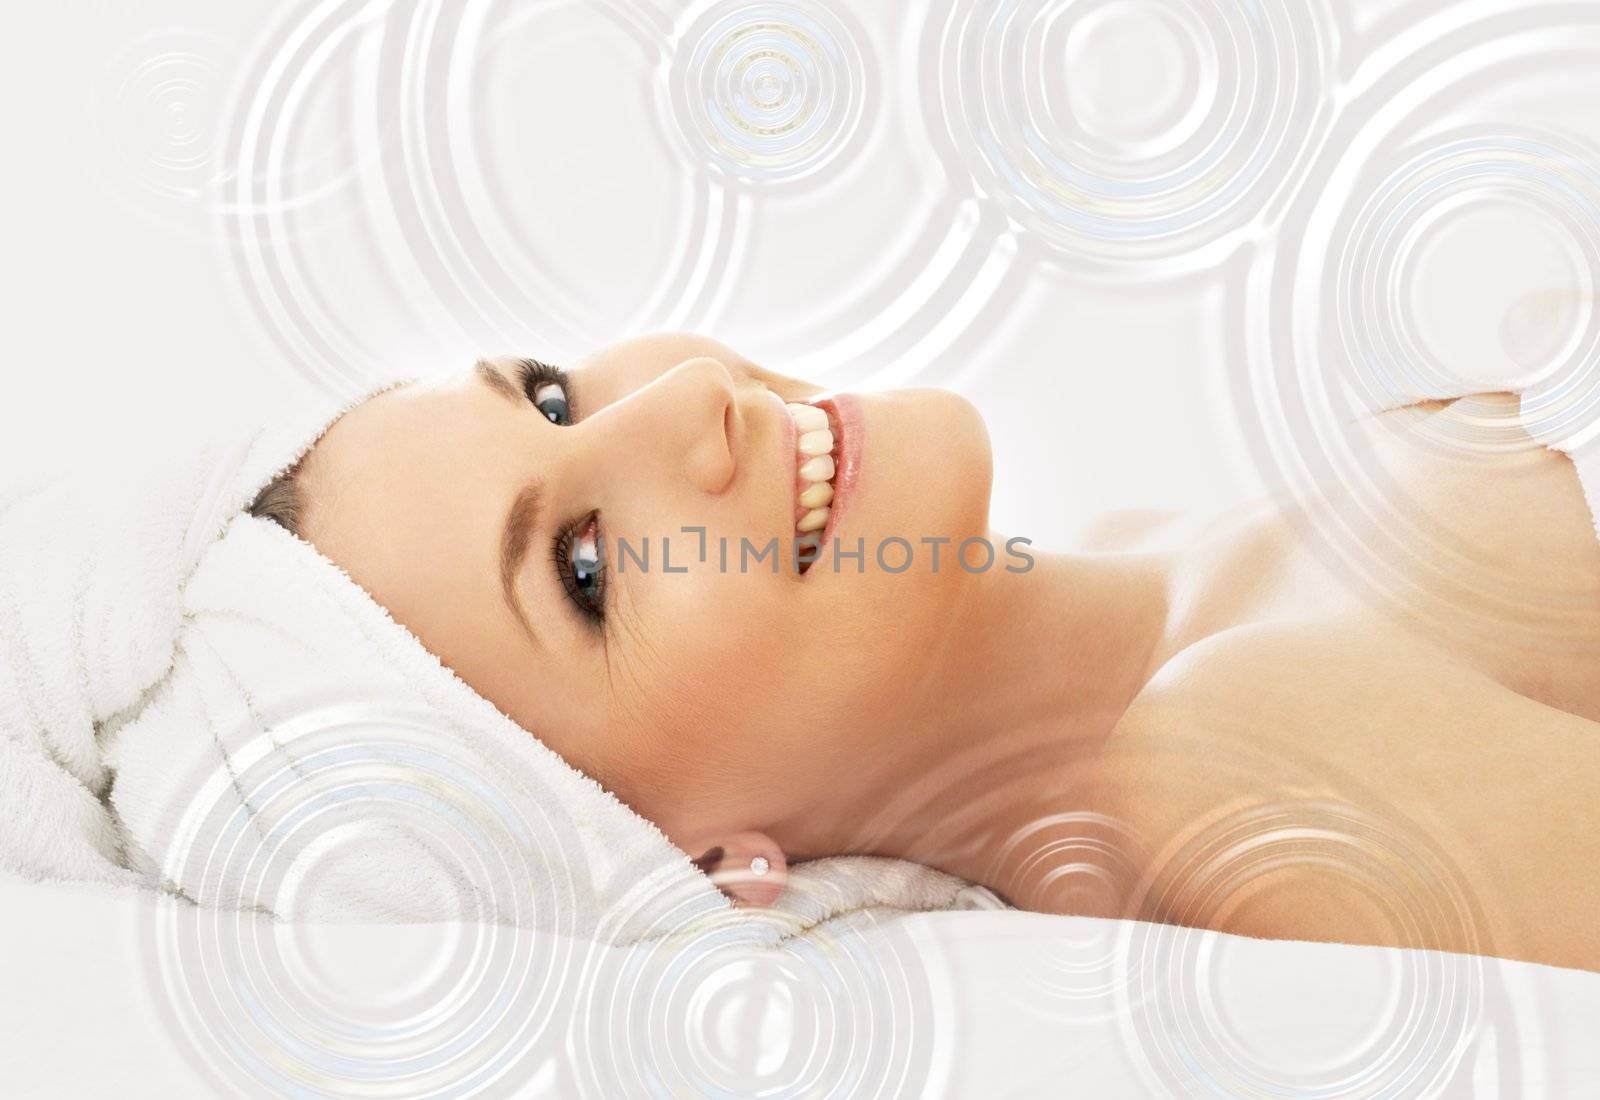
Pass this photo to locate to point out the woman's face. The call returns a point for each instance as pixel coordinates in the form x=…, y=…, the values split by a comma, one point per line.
x=710, y=695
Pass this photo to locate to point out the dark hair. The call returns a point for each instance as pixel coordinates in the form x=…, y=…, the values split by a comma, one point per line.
x=280, y=501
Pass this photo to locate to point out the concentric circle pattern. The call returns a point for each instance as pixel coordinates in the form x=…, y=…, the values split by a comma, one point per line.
x=769, y=91
x=1502, y=216
x=1451, y=249
x=1179, y=1006
x=155, y=106
x=1125, y=130
x=397, y=179
x=1352, y=205
x=335, y=817
x=843, y=1012
x=1085, y=863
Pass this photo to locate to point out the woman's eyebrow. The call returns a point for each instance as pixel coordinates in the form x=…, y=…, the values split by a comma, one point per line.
x=499, y=383
x=521, y=517
x=515, y=539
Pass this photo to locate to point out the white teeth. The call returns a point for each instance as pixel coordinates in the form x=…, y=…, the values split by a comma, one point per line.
x=814, y=520
x=815, y=443
x=808, y=418
x=816, y=495
x=817, y=469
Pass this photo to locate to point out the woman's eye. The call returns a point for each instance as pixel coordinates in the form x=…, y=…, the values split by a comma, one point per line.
x=581, y=566
x=551, y=399
x=549, y=389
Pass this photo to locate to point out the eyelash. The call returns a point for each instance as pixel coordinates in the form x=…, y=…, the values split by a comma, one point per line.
x=534, y=374
x=561, y=556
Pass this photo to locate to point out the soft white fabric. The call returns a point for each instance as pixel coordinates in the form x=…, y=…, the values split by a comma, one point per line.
x=1556, y=405
x=1552, y=411
x=1586, y=460
x=950, y=1005
x=193, y=701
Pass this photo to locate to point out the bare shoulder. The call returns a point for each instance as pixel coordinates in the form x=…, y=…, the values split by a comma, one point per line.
x=1352, y=776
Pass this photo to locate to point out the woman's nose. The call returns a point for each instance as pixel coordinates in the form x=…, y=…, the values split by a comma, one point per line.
x=680, y=421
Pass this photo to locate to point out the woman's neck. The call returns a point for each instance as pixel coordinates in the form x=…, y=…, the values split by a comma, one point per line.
x=1068, y=643
x=1032, y=676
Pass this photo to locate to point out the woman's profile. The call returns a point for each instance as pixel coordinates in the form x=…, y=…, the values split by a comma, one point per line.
x=777, y=624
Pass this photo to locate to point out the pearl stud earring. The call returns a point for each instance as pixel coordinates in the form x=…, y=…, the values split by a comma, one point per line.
x=759, y=865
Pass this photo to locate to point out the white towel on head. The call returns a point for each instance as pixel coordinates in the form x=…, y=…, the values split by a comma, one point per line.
x=195, y=701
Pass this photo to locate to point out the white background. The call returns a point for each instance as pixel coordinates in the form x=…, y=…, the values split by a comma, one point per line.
x=204, y=202
x=196, y=194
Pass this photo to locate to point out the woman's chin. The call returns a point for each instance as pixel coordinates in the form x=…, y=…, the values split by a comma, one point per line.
x=963, y=462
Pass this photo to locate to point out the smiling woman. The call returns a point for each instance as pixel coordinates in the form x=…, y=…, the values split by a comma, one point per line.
x=440, y=497
x=969, y=718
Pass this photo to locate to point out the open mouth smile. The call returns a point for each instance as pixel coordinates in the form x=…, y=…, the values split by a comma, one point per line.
x=824, y=466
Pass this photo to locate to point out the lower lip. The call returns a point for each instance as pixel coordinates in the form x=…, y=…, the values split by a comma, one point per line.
x=846, y=409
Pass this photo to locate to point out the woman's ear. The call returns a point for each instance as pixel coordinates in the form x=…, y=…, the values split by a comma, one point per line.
x=749, y=867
